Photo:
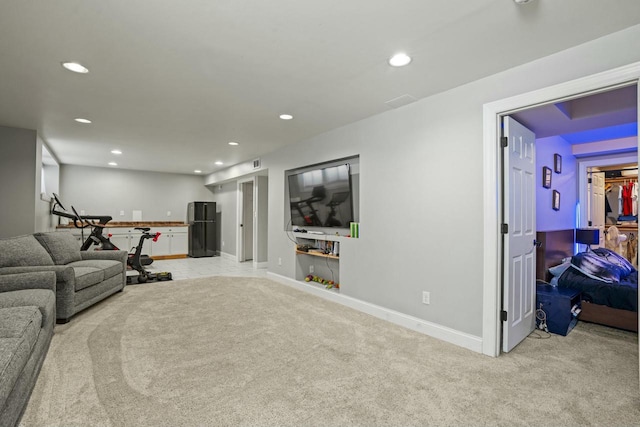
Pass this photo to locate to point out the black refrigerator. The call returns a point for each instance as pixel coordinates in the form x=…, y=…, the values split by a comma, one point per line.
x=201, y=217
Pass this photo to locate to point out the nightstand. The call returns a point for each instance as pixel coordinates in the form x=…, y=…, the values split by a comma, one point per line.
x=561, y=306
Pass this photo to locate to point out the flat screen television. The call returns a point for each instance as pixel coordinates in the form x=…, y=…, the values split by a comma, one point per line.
x=321, y=197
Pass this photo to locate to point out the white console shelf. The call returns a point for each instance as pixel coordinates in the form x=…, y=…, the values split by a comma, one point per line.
x=315, y=261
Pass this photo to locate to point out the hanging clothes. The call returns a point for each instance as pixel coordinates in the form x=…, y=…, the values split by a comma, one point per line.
x=634, y=199
x=627, y=201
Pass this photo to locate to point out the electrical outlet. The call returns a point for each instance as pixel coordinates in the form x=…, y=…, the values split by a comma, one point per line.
x=121, y=213
x=279, y=261
x=426, y=297
x=311, y=269
x=168, y=213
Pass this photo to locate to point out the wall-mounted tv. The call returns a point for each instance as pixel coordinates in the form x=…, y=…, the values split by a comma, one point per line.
x=321, y=197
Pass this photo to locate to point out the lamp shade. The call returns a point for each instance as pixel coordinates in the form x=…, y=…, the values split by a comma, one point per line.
x=588, y=236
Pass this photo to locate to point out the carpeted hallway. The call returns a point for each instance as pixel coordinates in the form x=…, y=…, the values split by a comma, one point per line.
x=253, y=352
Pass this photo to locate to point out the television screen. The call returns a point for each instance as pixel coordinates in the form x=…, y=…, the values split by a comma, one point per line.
x=321, y=197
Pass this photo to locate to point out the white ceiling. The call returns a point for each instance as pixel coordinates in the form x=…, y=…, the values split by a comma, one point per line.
x=172, y=82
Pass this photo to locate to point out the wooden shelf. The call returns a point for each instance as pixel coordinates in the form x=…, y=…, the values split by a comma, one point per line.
x=319, y=254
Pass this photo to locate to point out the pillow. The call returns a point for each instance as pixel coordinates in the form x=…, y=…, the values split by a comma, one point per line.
x=61, y=245
x=617, y=259
x=596, y=267
x=22, y=251
x=560, y=268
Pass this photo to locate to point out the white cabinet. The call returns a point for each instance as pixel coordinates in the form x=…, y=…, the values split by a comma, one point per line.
x=172, y=241
x=179, y=242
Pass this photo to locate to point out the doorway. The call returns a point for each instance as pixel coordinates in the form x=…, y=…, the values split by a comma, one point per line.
x=246, y=222
x=493, y=196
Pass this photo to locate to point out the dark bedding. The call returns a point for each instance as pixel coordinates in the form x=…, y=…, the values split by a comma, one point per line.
x=622, y=295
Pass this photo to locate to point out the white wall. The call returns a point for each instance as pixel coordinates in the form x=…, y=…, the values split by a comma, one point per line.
x=548, y=219
x=107, y=191
x=421, y=179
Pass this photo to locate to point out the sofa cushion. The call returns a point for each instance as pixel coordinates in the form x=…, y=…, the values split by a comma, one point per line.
x=87, y=276
x=19, y=330
x=61, y=245
x=23, y=251
x=44, y=299
x=109, y=267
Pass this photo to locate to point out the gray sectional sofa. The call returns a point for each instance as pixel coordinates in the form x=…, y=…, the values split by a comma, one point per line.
x=82, y=277
x=27, y=319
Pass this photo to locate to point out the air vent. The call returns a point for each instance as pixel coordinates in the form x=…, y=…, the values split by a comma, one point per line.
x=256, y=164
x=400, y=101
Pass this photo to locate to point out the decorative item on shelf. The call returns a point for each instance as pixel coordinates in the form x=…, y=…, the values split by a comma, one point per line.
x=588, y=236
x=546, y=177
x=555, y=204
x=329, y=284
x=355, y=230
x=557, y=163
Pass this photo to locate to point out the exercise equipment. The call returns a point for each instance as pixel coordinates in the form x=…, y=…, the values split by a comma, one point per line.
x=135, y=260
x=97, y=223
x=136, y=263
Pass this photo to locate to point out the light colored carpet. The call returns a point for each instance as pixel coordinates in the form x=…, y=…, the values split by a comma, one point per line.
x=250, y=351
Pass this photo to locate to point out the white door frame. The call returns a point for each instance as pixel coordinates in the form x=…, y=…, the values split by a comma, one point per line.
x=492, y=286
x=597, y=161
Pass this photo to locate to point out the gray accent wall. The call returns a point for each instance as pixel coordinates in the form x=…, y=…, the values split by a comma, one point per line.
x=262, y=204
x=421, y=189
x=21, y=210
x=108, y=191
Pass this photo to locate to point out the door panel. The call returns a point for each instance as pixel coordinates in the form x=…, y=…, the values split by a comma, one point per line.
x=597, y=204
x=519, y=246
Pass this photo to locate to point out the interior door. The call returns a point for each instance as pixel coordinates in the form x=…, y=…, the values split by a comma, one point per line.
x=596, y=194
x=519, y=261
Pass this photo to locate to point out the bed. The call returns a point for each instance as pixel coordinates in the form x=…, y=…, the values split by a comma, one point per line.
x=610, y=301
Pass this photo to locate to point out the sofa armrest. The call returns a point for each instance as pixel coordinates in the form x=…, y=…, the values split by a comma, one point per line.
x=32, y=280
x=111, y=255
x=65, y=276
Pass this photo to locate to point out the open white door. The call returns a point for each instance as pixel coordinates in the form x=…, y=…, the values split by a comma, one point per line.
x=596, y=195
x=519, y=285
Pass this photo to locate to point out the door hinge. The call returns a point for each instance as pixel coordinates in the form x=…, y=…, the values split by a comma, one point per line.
x=590, y=224
x=589, y=181
x=504, y=142
x=505, y=228
x=503, y=316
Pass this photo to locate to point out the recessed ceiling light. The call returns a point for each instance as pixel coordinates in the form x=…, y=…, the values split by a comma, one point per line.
x=233, y=143
x=116, y=152
x=286, y=116
x=113, y=164
x=81, y=120
x=197, y=171
x=75, y=67
x=219, y=163
x=399, y=60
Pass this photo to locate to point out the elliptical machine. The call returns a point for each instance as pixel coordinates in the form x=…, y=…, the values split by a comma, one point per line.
x=96, y=237
x=135, y=260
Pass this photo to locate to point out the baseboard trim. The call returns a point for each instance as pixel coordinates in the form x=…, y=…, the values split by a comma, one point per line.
x=462, y=339
x=228, y=256
x=260, y=264
x=163, y=257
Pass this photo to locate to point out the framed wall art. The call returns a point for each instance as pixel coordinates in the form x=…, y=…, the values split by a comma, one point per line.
x=555, y=204
x=557, y=163
x=546, y=177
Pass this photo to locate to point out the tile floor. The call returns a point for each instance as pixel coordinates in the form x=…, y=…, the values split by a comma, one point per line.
x=189, y=268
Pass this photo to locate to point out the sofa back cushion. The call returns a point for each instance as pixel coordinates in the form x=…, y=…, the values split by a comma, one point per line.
x=22, y=251
x=61, y=245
